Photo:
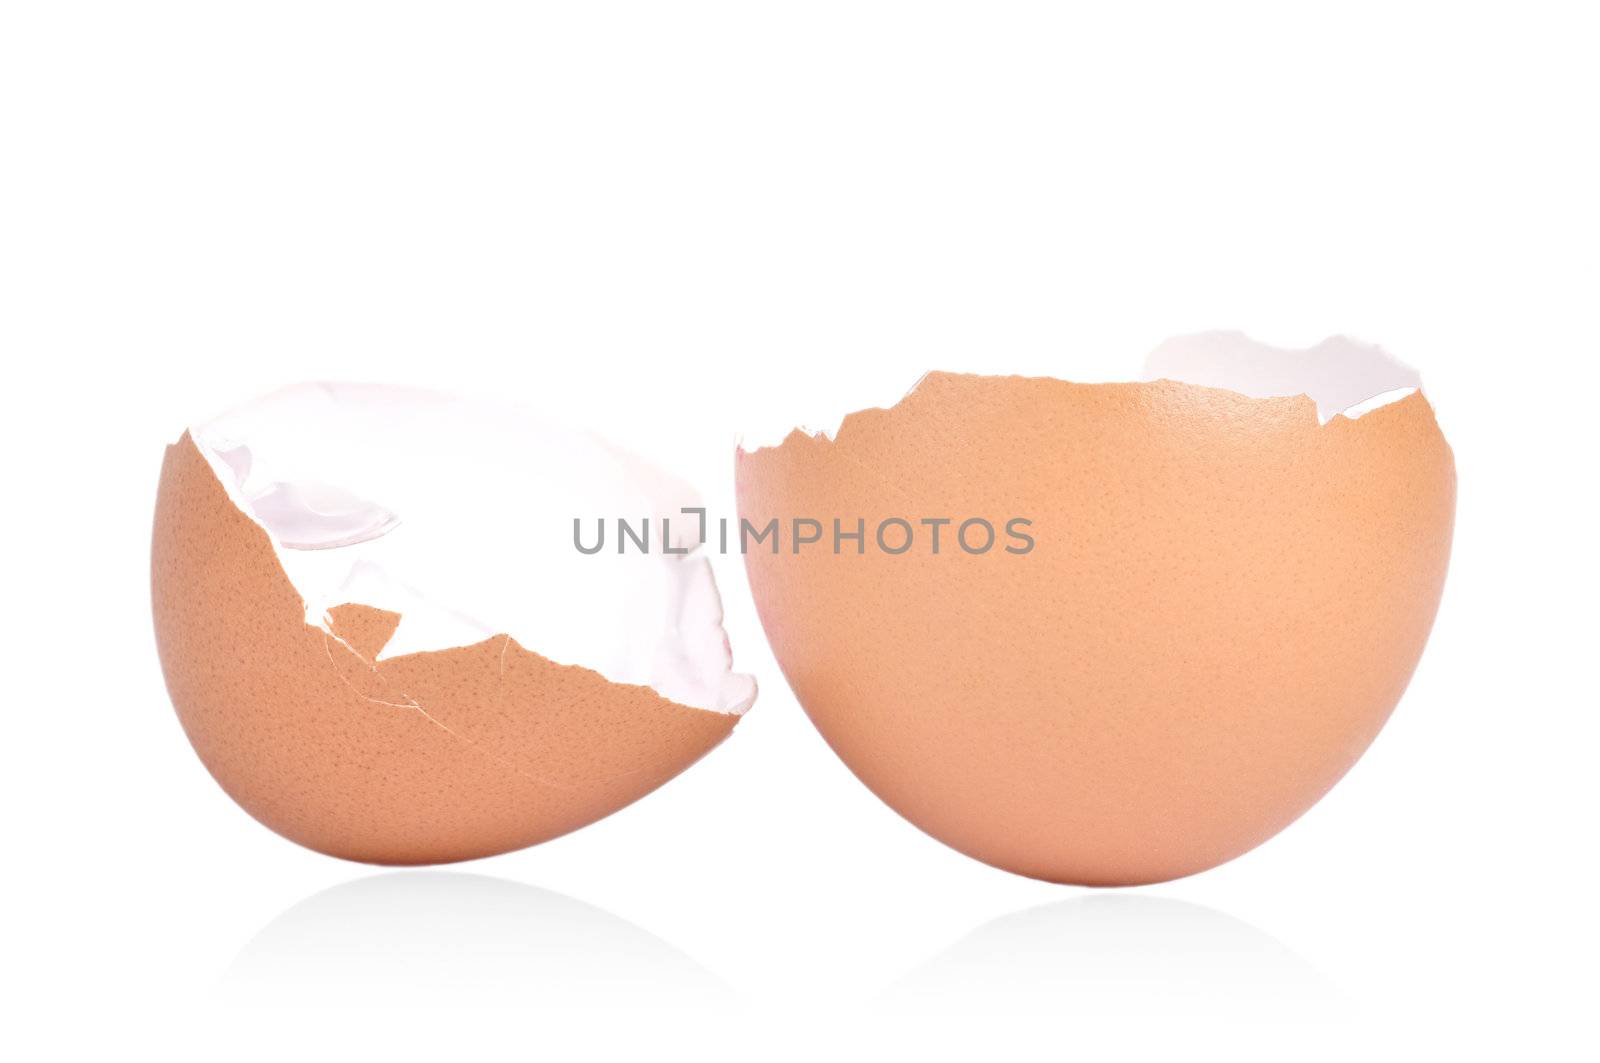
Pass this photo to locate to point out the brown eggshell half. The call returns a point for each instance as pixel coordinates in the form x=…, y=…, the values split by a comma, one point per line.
x=1224, y=602
x=422, y=758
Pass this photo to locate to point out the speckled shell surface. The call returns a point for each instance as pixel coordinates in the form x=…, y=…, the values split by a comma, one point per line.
x=1224, y=602
x=422, y=758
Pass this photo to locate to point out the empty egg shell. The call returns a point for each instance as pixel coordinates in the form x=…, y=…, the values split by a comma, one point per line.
x=347, y=712
x=1223, y=601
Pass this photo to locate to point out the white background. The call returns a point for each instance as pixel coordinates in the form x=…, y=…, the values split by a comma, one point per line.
x=680, y=222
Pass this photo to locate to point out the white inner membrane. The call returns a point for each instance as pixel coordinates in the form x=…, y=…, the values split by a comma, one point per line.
x=459, y=516
x=1341, y=375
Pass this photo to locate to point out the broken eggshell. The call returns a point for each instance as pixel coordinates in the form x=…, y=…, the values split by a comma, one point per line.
x=1228, y=588
x=302, y=548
